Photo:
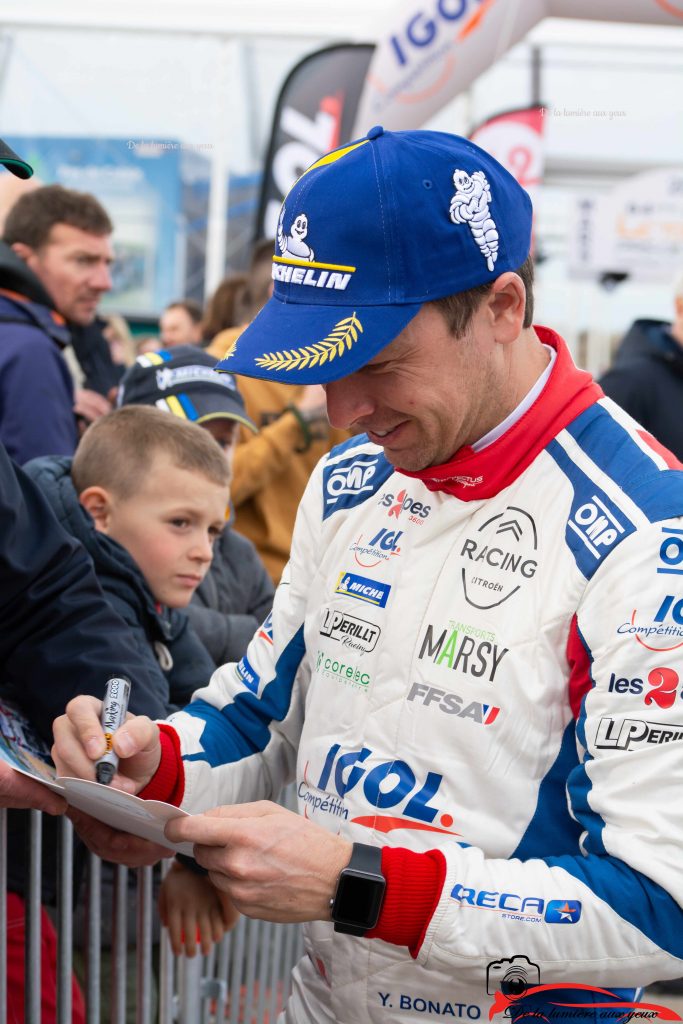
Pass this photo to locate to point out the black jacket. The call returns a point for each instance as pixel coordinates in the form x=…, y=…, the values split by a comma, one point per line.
x=59, y=635
x=233, y=599
x=646, y=380
x=177, y=662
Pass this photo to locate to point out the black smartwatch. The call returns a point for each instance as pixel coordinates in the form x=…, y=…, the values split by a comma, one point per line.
x=358, y=900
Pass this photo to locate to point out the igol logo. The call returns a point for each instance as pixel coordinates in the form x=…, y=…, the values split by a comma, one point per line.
x=388, y=785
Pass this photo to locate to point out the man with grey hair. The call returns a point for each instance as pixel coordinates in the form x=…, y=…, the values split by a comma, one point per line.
x=646, y=378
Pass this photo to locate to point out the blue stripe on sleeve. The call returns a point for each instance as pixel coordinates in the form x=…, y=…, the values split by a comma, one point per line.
x=551, y=819
x=242, y=728
x=595, y=525
x=658, y=493
x=633, y=896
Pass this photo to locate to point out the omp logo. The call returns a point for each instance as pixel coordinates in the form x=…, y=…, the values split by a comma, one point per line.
x=595, y=526
x=388, y=785
x=379, y=549
x=625, y=733
x=349, y=630
x=499, y=558
x=363, y=589
x=353, y=478
x=514, y=907
x=402, y=502
x=671, y=552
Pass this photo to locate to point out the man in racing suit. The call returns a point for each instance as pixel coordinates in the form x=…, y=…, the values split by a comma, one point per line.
x=473, y=665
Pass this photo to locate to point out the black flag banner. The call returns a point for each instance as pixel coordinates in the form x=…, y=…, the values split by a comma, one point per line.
x=315, y=112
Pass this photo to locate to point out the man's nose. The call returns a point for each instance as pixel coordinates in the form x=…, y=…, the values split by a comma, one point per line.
x=100, y=279
x=347, y=401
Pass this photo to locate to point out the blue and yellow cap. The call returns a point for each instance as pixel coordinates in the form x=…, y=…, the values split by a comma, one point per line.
x=366, y=236
x=183, y=381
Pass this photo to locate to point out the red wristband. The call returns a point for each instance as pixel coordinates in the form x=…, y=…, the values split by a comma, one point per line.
x=168, y=782
x=414, y=885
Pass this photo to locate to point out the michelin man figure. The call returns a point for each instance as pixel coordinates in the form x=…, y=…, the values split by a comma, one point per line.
x=470, y=205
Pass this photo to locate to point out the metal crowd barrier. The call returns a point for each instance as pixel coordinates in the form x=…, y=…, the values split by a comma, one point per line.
x=244, y=980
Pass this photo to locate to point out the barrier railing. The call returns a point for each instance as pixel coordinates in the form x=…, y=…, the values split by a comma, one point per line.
x=244, y=980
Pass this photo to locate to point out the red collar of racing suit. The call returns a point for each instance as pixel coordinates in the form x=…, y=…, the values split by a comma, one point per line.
x=471, y=475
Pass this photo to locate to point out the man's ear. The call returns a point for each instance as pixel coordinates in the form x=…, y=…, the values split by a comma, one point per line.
x=97, y=501
x=24, y=252
x=507, y=302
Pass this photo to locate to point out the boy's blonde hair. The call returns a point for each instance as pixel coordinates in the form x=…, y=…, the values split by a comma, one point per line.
x=116, y=452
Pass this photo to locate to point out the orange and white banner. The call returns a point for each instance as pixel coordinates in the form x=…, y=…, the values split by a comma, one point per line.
x=431, y=50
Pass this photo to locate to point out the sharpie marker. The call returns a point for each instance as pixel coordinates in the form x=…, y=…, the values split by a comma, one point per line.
x=114, y=708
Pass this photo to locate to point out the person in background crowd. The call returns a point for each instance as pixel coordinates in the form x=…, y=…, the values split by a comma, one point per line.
x=59, y=638
x=225, y=308
x=646, y=377
x=147, y=343
x=485, y=735
x=236, y=594
x=145, y=495
x=55, y=261
x=56, y=626
x=271, y=468
x=181, y=324
x=118, y=336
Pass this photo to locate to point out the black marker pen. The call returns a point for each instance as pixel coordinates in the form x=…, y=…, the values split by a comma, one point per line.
x=114, y=709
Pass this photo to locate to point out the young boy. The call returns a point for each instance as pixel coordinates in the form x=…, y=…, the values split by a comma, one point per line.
x=236, y=595
x=146, y=494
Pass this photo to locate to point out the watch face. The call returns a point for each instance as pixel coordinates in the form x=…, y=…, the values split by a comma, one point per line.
x=359, y=900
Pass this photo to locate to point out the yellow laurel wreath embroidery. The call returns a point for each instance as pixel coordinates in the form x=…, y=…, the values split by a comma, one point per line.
x=341, y=338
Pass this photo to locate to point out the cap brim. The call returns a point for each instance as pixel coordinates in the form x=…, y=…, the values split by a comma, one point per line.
x=13, y=162
x=298, y=344
x=206, y=405
x=237, y=417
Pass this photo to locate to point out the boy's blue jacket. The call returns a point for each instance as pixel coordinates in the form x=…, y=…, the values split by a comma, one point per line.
x=163, y=636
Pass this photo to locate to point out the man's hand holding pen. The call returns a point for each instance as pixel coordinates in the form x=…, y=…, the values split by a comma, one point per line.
x=80, y=742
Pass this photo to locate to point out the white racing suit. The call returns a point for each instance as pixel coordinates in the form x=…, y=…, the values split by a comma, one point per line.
x=498, y=678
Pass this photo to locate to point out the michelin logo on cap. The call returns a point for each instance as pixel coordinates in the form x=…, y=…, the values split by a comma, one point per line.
x=470, y=205
x=296, y=264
